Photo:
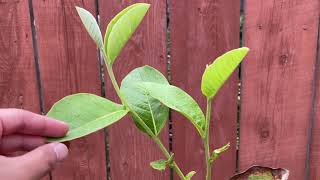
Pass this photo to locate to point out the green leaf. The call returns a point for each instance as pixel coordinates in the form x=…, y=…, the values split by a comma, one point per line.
x=121, y=28
x=150, y=110
x=261, y=176
x=113, y=22
x=91, y=26
x=219, y=71
x=85, y=114
x=190, y=174
x=176, y=99
x=217, y=152
x=262, y=173
x=159, y=165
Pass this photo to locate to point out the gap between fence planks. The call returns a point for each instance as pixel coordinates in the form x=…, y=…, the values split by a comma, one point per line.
x=200, y=31
x=277, y=79
x=130, y=151
x=18, y=80
x=315, y=143
x=69, y=64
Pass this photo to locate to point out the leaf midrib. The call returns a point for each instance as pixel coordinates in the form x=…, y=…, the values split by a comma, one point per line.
x=98, y=119
x=151, y=111
x=153, y=120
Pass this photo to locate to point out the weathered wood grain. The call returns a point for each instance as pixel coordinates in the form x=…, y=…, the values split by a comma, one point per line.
x=69, y=64
x=315, y=143
x=18, y=81
x=130, y=151
x=201, y=30
x=277, y=82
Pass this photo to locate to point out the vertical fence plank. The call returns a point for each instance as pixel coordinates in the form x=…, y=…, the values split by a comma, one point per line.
x=69, y=64
x=277, y=83
x=130, y=151
x=201, y=30
x=18, y=81
x=315, y=144
x=315, y=148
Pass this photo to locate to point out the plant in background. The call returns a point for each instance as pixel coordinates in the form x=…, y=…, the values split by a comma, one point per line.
x=262, y=173
x=144, y=93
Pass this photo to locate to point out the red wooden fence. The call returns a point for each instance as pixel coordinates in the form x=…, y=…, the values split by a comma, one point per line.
x=46, y=54
x=201, y=31
x=277, y=93
x=127, y=155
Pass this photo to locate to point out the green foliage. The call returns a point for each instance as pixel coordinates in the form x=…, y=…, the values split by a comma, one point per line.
x=219, y=71
x=153, y=113
x=91, y=26
x=261, y=176
x=159, y=165
x=121, y=28
x=85, y=114
x=144, y=92
x=190, y=175
x=217, y=152
x=178, y=100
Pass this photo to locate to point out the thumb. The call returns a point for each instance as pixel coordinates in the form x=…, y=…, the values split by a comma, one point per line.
x=42, y=160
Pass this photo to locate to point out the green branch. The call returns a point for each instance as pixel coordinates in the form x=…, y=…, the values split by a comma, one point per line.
x=140, y=121
x=206, y=140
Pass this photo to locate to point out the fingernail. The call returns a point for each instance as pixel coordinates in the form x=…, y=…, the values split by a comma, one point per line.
x=61, y=151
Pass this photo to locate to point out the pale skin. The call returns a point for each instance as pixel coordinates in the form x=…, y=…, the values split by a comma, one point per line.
x=25, y=131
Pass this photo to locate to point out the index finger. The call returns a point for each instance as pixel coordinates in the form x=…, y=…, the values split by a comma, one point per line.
x=25, y=122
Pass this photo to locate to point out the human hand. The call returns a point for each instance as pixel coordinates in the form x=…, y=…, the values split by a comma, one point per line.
x=25, y=131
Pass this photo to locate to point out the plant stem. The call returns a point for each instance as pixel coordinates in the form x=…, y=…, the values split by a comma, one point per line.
x=206, y=140
x=166, y=153
x=115, y=85
x=140, y=121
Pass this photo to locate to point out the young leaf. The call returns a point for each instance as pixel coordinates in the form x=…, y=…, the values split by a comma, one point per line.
x=190, y=174
x=149, y=109
x=219, y=71
x=113, y=22
x=91, y=26
x=217, y=152
x=178, y=100
x=121, y=28
x=159, y=165
x=85, y=114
